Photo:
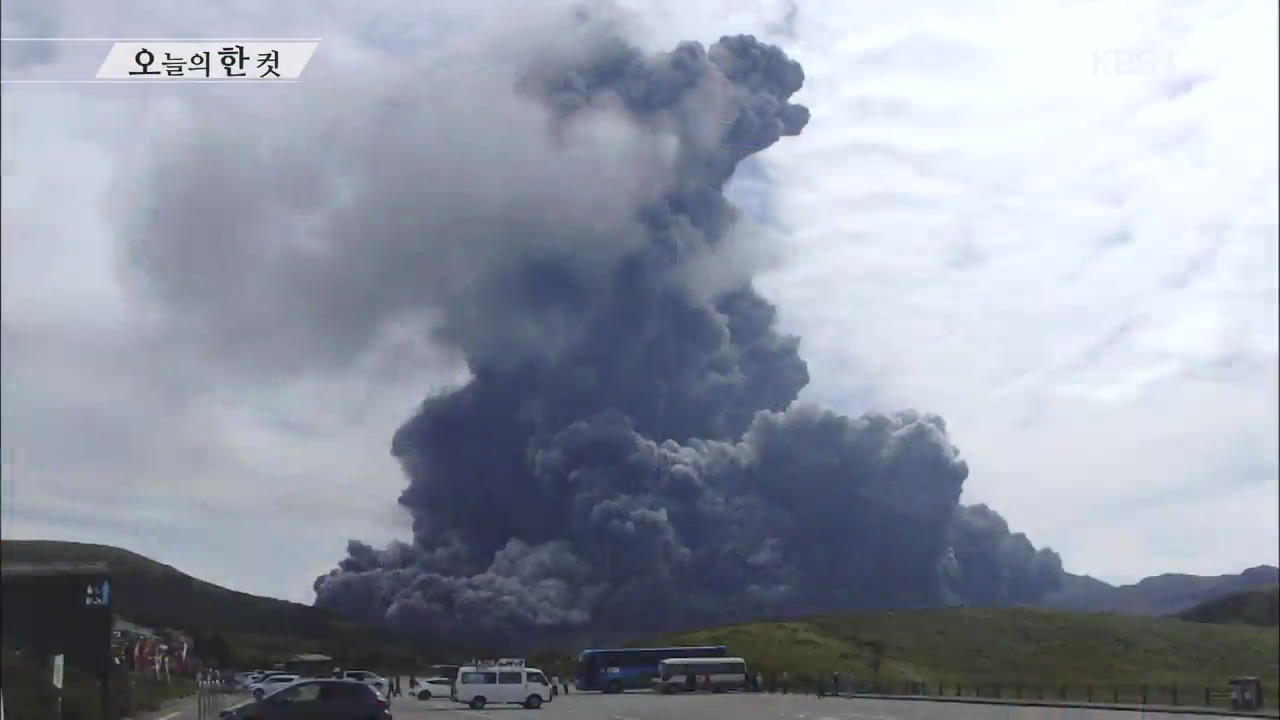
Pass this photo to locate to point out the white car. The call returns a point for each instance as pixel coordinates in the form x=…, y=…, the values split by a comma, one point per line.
x=513, y=684
x=368, y=678
x=436, y=687
x=257, y=676
x=270, y=684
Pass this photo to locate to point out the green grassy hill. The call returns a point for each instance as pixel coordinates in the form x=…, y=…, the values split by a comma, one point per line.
x=1255, y=606
x=1008, y=646
x=254, y=630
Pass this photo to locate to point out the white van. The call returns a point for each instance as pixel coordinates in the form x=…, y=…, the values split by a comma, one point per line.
x=480, y=685
x=723, y=673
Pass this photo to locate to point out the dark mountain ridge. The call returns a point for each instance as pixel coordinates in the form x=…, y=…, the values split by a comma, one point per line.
x=1165, y=594
x=1255, y=606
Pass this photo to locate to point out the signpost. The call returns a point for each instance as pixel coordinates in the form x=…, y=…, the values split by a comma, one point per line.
x=57, y=679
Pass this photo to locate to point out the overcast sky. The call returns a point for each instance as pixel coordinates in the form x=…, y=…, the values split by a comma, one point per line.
x=1052, y=223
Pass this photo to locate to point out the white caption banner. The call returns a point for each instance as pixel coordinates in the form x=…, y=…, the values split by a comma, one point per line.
x=224, y=60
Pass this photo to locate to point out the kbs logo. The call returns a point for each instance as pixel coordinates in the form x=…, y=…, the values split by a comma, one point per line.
x=1131, y=61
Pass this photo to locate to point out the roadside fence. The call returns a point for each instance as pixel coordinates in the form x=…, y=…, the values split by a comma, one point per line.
x=214, y=696
x=1198, y=696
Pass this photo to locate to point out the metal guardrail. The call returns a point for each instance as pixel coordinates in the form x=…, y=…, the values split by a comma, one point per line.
x=1154, y=695
x=214, y=696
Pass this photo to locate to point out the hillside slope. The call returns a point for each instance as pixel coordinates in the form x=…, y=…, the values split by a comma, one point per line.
x=1165, y=594
x=1027, y=645
x=258, y=628
x=1255, y=606
x=152, y=593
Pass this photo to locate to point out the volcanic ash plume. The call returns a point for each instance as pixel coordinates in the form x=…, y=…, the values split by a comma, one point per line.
x=627, y=454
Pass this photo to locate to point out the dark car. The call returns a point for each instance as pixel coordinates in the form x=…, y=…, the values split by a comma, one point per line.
x=318, y=700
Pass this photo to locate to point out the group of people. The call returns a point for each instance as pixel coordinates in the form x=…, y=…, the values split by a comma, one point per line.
x=781, y=683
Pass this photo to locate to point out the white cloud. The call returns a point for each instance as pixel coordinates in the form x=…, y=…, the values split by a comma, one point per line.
x=1054, y=223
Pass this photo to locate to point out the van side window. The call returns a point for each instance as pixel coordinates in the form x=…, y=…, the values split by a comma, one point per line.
x=510, y=678
x=539, y=678
x=479, y=678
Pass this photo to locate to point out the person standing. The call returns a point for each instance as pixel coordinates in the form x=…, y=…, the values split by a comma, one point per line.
x=555, y=685
x=835, y=683
x=786, y=683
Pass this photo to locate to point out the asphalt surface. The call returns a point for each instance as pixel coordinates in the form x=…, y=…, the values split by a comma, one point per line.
x=651, y=706
x=734, y=706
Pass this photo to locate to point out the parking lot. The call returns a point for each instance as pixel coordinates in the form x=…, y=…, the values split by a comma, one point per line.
x=650, y=706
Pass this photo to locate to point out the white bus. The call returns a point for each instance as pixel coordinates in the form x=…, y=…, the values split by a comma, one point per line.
x=721, y=674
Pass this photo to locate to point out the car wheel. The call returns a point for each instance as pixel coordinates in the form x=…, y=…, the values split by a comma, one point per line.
x=424, y=695
x=477, y=702
x=613, y=687
x=534, y=702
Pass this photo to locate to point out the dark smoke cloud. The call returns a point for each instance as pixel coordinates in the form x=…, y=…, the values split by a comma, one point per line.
x=656, y=471
x=628, y=453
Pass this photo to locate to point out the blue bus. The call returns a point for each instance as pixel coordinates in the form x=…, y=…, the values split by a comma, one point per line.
x=629, y=668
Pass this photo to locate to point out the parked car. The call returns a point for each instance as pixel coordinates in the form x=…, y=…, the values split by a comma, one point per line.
x=329, y=699
x=436, y=687
x=257, y=676
x=270, y=684
x=368, y=678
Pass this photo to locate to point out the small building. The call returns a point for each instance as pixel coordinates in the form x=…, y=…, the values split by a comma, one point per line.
x=310, y=664
x=60, y=608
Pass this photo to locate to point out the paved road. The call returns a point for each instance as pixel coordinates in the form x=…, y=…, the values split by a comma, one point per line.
x=648, y=706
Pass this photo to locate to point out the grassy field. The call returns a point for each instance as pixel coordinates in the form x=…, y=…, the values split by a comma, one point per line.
x=1033, y=645
x=1009, y=648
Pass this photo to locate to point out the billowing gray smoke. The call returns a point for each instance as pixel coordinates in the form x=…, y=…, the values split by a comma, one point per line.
x=627, y=453
x=650, y=469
